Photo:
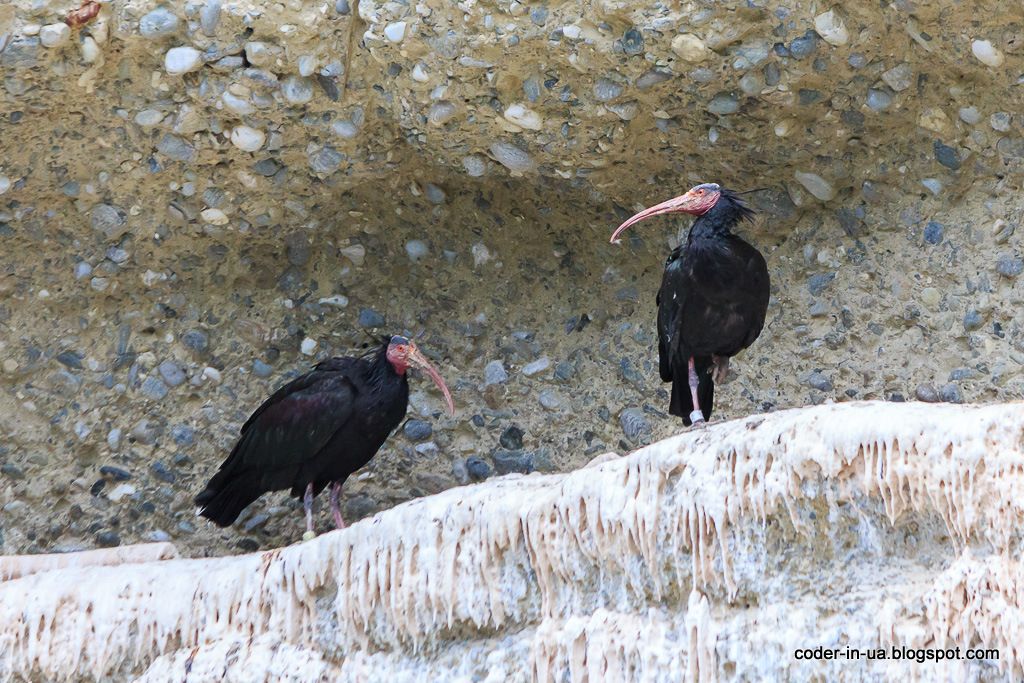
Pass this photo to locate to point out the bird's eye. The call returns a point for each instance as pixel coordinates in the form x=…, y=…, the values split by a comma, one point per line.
x=700, y=191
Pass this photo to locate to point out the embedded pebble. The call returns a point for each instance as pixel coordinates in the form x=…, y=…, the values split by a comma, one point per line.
x=297, y=90
x=435, y=195
x=634, y=424
x=477, y=469
x=209, y=18
x=371, y=318
x=475, y=166
x=5, y=184
x=1009, y=266
x=416, y=249
x=395, y=32
x=54, y=35
x=606, y=89
x=308, y=346
x=831, y=28
x=999, y=121
x=158, y=23
x=440, y=112
x=509, y=462
x=690, y=47
x=899, y=77
x=355, y=253
x=147, y=118
x=986, y=53
x=154, y=388
x=181, y=60
x=494, y=373
x=171, y=373
x=511, y=157
x=523, y=117
x=345, y=129
x=723, y=103
x=247, y=139
x=549, y=400
x=878, y=99
x=418, y=430
x=261, y=369
x=816, y=185
x=539, y=365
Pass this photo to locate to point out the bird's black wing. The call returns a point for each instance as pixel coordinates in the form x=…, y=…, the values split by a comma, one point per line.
x=671, y=300
x=291, y=427
x=754, y=285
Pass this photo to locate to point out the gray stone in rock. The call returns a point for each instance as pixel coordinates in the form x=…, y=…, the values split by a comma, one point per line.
x=182, y=435
x=633, y=42
x=70, y=189
x=933, y=232
x=256, y=521
x=70, y=359
x=171, y=373
x=460, y=472
x=229, y=63
x=107, y=539
x=548, y=400
x=341, y=7
x=1009, y=266
x=606, y=89
x=950, y=393
x=297, y=89
x=297, y=249
x=817, y=283
x=195, y=341
x=114, y=439
x=900, y=77
x=475, y=165
x=161, y=472
x=803, y=46
x=418, y=430
x=927, y=393
x=145, y=432
x=857, y=60
x=652, y=77
x=441, y=111
x=110, y=220
x=435, y=195
x=512, y=438
x=947, y=156
x=539, y=365
x=531, y=88
x=158, y=23
x=326, y=161
x=634, y=424
x=370, y=318
x=507, y=462
x=176, y=148
x=879, y=99
x=539, y=15
x=511, y=157
x=818, y=308
x=261, y=369
x=291, y=279
x=972, y=321
x=114, y=474
x=564, y=371
x=154, y=388
x=961, y=374
x=416, y=249
x=20, y=53
x=494, y=373
x=820, y=382
x=12, y=471
x=345, y=129
x=209, y=19
x=214, y=197
x=477, y=468
x=724, y=103
x=266, y=167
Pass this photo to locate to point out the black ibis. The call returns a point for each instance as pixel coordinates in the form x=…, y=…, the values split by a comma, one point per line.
x=713, y=297
x=317, y=430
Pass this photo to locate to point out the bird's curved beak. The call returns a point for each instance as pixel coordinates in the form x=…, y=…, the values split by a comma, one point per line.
x=674, y=205
x=417, y=359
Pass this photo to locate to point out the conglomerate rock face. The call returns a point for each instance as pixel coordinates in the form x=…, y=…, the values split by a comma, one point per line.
x=199, y=200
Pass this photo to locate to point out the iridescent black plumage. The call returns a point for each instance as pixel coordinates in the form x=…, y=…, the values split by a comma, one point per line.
x=712, y=302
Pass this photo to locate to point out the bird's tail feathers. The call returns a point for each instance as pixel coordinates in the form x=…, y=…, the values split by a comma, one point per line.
x=222, y=506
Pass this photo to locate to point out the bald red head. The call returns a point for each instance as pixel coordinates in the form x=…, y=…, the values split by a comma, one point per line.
x=696, y=202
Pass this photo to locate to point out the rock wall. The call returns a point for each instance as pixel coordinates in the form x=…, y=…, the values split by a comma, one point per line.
x=199, y=200
x=712, y=555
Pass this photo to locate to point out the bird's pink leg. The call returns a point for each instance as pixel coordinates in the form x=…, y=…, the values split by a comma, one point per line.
x=696, y=416
x=335, y=510
x=307, y=502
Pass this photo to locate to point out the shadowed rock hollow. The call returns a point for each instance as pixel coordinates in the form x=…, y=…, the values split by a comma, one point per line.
x=198, y=201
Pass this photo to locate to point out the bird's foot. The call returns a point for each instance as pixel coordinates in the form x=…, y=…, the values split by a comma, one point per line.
x=338, y=521
x=697, y=418
x=721, y=369
x=308, y=535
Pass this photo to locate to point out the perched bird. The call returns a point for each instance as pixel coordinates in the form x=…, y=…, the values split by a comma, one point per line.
x=713, y=297
x=317, y=430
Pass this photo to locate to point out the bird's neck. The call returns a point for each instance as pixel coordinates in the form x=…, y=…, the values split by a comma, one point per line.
x=718, y=221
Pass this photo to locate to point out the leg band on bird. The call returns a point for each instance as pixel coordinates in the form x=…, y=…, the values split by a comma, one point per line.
x=335, y=510
x=696, y=416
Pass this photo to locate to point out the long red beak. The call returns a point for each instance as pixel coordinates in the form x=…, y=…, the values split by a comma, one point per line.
x=420, y=361
x=673, y=205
